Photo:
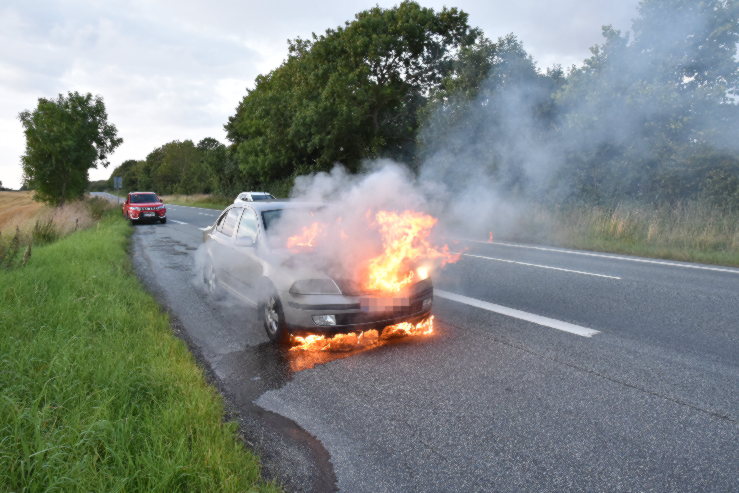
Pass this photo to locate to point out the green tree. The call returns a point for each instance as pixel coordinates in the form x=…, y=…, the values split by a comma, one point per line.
x=65, y=138
x=349, y=94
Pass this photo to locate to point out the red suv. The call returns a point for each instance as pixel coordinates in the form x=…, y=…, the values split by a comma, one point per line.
x=144, y=206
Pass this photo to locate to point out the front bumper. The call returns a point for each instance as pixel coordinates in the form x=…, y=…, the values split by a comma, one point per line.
x=147, y=215
x=356, y=313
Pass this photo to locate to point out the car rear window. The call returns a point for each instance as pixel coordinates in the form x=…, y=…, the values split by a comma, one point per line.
x=143, y=198
x=228, y=225
x=261, y=196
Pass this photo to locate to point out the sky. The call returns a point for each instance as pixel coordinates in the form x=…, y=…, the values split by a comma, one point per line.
x=176, y=70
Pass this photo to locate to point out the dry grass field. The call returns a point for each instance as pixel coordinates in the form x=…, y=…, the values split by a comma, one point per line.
x=18, y=209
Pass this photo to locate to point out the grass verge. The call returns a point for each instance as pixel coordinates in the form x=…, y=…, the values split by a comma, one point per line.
x=692, y=232
x=200, y=200
x=97, y=394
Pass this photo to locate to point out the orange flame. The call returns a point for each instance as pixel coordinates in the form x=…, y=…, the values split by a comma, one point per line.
x=352, y=341
x=306, y=239
x=405, y=240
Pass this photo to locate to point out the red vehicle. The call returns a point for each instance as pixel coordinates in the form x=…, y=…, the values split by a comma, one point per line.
x=144, y=206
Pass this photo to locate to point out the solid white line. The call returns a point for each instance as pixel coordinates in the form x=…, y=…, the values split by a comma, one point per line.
x=178, y=222
x=614, y=257
x=212, y=211
x=521, y=315
x=542, y=266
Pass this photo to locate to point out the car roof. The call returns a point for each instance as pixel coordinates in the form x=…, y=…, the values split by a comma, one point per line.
x=133, y=193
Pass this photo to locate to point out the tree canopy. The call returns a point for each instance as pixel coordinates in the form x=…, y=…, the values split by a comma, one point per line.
x=349, y=94
x=65, y=138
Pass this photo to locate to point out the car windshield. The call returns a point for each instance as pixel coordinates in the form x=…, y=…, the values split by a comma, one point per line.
x=271, y=220
x=261, y=196
x=143, y=198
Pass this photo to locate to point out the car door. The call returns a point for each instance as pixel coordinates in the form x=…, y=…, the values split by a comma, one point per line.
x=221, y=243
x=247, y=268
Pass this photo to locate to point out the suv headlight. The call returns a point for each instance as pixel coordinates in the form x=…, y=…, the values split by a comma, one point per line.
x=315, y=286
x=135, y=208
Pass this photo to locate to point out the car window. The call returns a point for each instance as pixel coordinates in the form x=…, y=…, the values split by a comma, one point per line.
x=219, y=221
x=143, y=198
x=261, y=196
x=247, y=225
x=228, y=224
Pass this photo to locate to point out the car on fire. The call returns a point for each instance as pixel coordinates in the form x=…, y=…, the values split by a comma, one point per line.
x=252, y=197
x=144, y=206
x=243, y=258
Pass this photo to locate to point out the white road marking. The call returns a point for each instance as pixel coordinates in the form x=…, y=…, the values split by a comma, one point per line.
x=521, y=315
x=178, y=222
x=614, y=257
x=542, y=266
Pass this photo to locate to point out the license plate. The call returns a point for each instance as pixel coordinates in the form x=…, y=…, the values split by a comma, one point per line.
x=148, y=214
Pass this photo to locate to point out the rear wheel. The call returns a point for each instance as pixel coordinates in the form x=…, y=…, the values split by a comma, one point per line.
x=274, y=319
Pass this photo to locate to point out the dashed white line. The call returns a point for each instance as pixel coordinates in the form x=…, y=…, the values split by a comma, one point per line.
x=542, y=266
x=602, y=255
x=178, y=222
x=519, y=314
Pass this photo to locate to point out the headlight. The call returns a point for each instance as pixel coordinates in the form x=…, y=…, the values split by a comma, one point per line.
x=315, y=286
x=135, y=208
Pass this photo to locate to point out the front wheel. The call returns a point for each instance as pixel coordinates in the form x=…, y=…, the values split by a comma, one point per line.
x=163, y=220
x=274, y=320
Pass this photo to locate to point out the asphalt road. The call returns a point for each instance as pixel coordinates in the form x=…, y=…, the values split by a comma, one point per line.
x=549, y=370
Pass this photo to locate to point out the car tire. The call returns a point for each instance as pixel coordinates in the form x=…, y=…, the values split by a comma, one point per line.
x=274, y=319
x=163, y=221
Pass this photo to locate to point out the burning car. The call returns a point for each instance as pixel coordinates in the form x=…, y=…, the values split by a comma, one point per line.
x=296, y=291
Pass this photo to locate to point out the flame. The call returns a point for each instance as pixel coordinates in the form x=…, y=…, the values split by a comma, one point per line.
x=405, y=241
x=422, y=328
x=306, y=239
x=352, y=341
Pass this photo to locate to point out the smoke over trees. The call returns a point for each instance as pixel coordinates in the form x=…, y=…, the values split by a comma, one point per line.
x=649, y=117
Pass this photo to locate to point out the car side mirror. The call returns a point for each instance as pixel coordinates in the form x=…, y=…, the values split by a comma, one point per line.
x=245, y=242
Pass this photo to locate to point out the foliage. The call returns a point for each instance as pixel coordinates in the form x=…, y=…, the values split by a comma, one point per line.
x=350, y=94
x=65, y=138
x=647, y=111
x=650, y=117
x=98, y=395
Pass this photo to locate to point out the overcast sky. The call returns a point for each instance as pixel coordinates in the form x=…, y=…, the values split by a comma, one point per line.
x=177, y=69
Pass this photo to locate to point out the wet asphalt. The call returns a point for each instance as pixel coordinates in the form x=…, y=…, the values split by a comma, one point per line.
x=488, y=402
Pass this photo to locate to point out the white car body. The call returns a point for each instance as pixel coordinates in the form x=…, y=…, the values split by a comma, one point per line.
x=245, y=197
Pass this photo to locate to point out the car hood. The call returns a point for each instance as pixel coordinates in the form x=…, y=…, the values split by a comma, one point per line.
x=147, y=204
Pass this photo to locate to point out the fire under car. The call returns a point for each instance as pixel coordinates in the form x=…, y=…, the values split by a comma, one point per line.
x=293, y=298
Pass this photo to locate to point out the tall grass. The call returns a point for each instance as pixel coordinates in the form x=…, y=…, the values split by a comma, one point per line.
x=691, y=231
x=97, y=394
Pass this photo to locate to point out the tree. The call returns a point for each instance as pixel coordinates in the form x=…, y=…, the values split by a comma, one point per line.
x=65, y=138
x=350, y=94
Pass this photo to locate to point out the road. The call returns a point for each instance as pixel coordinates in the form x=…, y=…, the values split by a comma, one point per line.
x=549, y=370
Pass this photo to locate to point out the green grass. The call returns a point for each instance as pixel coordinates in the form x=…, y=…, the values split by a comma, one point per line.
x=97, y=394
x=693, y=232
x=204, y=201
